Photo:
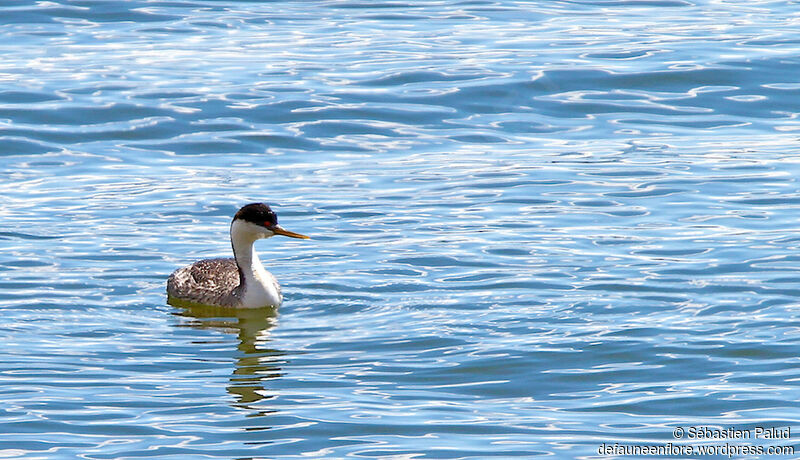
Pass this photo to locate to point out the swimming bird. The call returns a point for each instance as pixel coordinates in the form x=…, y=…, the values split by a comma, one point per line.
x=241, y=282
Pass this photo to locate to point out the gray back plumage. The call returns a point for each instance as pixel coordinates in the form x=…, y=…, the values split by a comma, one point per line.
x=207, y=282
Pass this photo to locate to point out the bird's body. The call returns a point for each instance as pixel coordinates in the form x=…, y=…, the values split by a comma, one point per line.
x=241, y=282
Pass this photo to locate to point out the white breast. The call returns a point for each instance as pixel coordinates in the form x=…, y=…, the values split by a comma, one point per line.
x=261, y=288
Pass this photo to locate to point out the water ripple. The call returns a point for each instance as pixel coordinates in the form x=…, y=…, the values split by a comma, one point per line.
x=537, y=227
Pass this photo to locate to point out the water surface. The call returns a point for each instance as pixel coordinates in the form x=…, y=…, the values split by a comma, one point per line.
x=537, y=226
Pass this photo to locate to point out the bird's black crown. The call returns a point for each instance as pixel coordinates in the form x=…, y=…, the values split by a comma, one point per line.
x=257, y=213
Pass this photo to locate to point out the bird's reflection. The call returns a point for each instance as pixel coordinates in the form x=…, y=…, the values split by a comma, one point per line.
x=256, y=362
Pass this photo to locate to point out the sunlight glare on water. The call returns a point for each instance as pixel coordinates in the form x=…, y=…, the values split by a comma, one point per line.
x=537, y=227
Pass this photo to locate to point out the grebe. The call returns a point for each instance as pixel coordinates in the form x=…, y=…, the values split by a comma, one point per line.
x=241, y=282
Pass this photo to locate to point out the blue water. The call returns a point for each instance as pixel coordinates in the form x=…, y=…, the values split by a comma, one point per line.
x=537, y=227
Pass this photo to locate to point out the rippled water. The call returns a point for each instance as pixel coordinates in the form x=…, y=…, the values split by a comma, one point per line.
x=538, y=226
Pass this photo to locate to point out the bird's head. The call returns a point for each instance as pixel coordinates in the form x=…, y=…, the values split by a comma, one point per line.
x=260, y=221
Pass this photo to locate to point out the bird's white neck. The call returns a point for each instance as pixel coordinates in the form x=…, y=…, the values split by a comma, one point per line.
x=258, y=287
